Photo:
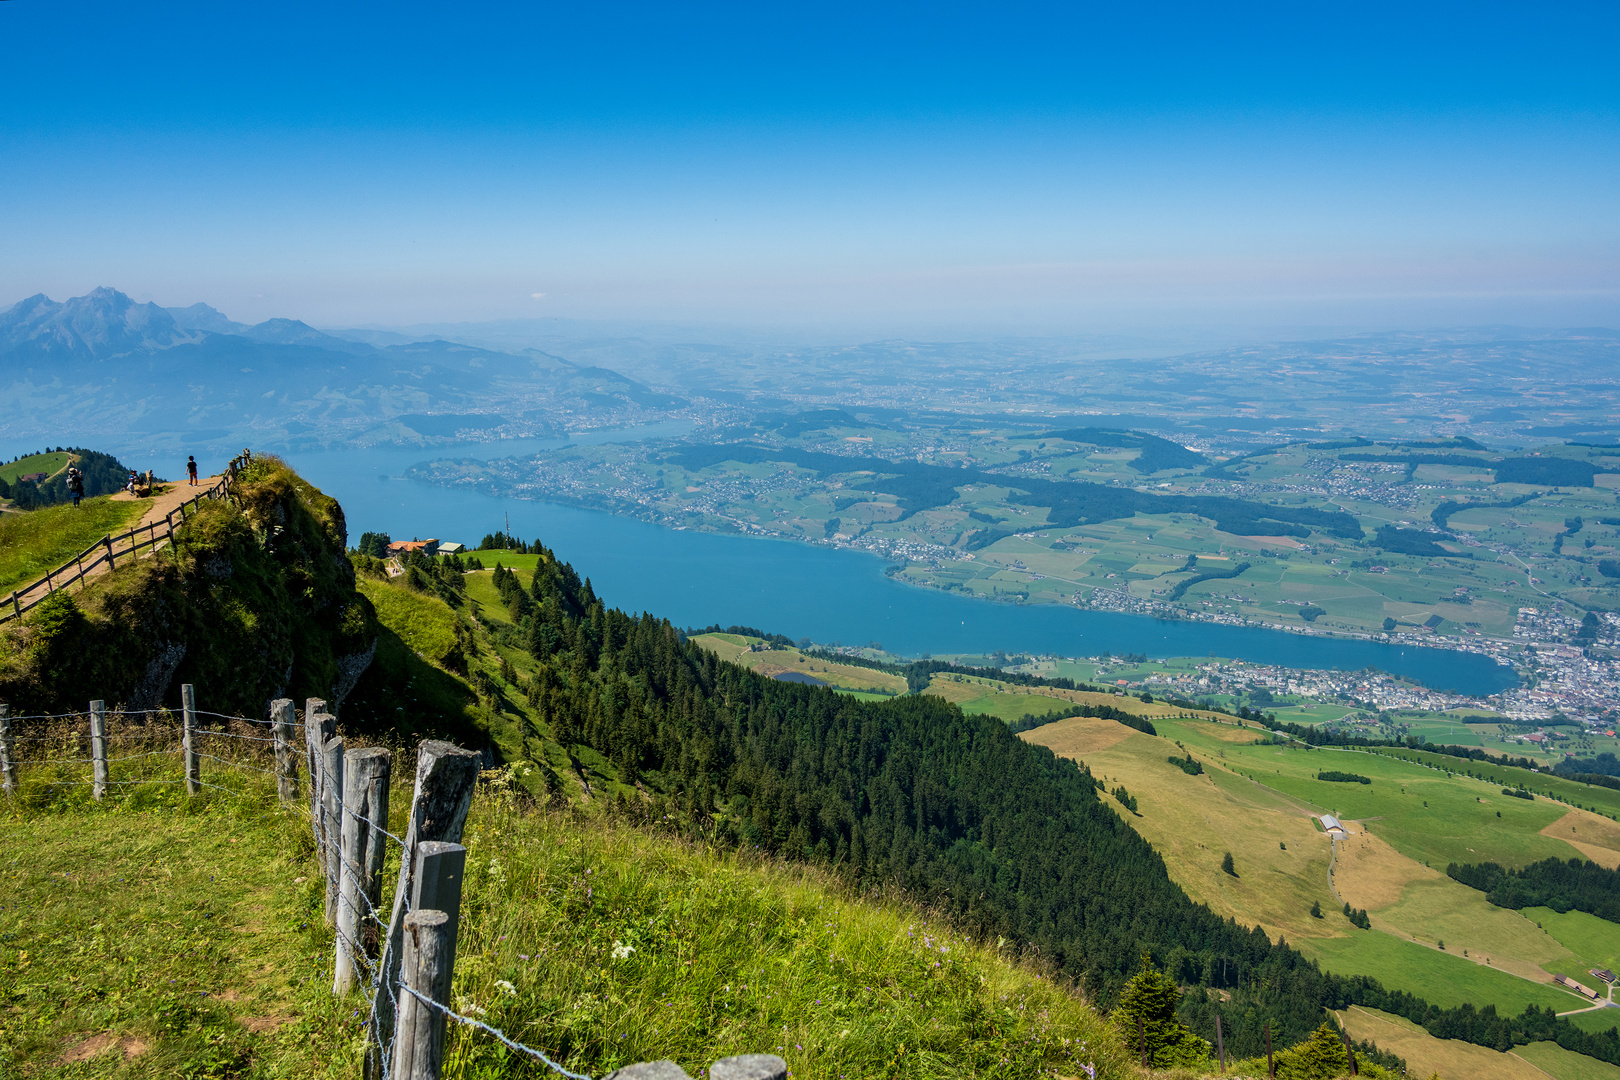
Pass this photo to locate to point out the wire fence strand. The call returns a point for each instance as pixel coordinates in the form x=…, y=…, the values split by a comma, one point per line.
x=501, y=1035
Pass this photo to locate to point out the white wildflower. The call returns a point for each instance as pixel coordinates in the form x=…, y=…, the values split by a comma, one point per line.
x=505, y=987
x=622, y=951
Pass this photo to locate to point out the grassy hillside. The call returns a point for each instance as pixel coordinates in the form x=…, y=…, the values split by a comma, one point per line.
x=1255, y=800
x=735, y=648
x=32, y=543
x=159, y=936
x=49, y=463
x=256, y=601
x=1456, y=1060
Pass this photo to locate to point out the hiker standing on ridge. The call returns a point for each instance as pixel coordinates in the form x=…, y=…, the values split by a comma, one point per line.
x=75, y=485
x=191, y=468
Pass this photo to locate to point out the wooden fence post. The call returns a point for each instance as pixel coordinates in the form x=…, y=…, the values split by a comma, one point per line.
x=440, y=868
x=8, y=764
x=365, y=815
x=1350, y=1051
x=188, y=738
x=98, y=750
x=107, y=543
x=1220, y=1043
x=1141, y=1035
x=281, y=730
x=331, y=821
x=318, y=727
x=445, y=778
x=419, y=1047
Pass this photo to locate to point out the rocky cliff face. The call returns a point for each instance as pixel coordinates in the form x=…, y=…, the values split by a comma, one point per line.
x=257, y=601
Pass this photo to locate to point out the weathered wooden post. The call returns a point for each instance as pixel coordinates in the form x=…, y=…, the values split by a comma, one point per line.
x=8, y=764
x=445, y=778
x=98, y=750
x=1349, y=1052
x=281, y=730
x=365, y=815
x=188, y=737
x=419, y=1045
x=318, y=727
x=1141, y=1035
x=1220, y=1044
x=332, y=821
x=107, y=543
x=440, y=868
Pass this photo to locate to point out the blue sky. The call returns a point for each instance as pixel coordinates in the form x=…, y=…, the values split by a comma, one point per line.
x=906, y=169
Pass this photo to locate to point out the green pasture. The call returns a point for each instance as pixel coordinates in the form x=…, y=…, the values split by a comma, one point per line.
x=50, y=464
x=1594, y=942
x=510, y=559
x=1448, y=732
x=1442, y=978
x=1597, y=1020
x=1432, y=910
x=1309, y=714
x=1602, y=800
x=1458, y=824
x=39, y=540
x=1010, y=706
x=1563, y=1064
x=425, y=624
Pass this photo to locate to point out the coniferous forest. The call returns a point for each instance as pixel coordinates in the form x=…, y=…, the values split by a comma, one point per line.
x=1002, y=836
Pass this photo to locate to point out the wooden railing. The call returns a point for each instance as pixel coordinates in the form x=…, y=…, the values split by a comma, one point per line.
x=107, y=549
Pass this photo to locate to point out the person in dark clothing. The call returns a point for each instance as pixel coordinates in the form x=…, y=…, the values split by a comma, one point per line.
x=75, y=484
x=191, y=468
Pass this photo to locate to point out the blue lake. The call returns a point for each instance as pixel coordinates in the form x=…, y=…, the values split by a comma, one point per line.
x=830, y=595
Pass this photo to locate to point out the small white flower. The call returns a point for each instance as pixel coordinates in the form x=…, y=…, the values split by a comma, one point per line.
x=622, y=951
x=505, y=987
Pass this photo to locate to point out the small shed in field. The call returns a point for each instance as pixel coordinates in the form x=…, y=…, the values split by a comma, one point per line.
x=1332, y=826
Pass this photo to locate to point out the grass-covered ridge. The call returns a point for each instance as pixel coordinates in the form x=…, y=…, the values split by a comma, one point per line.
x=156, y=935
x=40, y=540
x=256, y=600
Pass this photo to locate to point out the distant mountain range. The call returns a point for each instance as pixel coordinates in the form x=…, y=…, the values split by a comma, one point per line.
x=104, y=364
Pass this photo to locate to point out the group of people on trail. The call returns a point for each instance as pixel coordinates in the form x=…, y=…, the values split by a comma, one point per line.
x=75, y=479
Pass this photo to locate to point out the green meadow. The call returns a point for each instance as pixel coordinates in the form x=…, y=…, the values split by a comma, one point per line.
x=1424, y=813
x=40, y=540
x=50, y=464
x=1594, y=943
x=1602, y=800
x=1443, y=978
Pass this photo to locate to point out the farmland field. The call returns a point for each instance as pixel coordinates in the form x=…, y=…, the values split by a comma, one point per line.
x=1442, y=978
x=987, y=536
x=1455, y=1060
x=1255, y=800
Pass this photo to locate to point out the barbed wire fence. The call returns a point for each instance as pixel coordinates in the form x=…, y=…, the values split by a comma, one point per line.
x=403, y=965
